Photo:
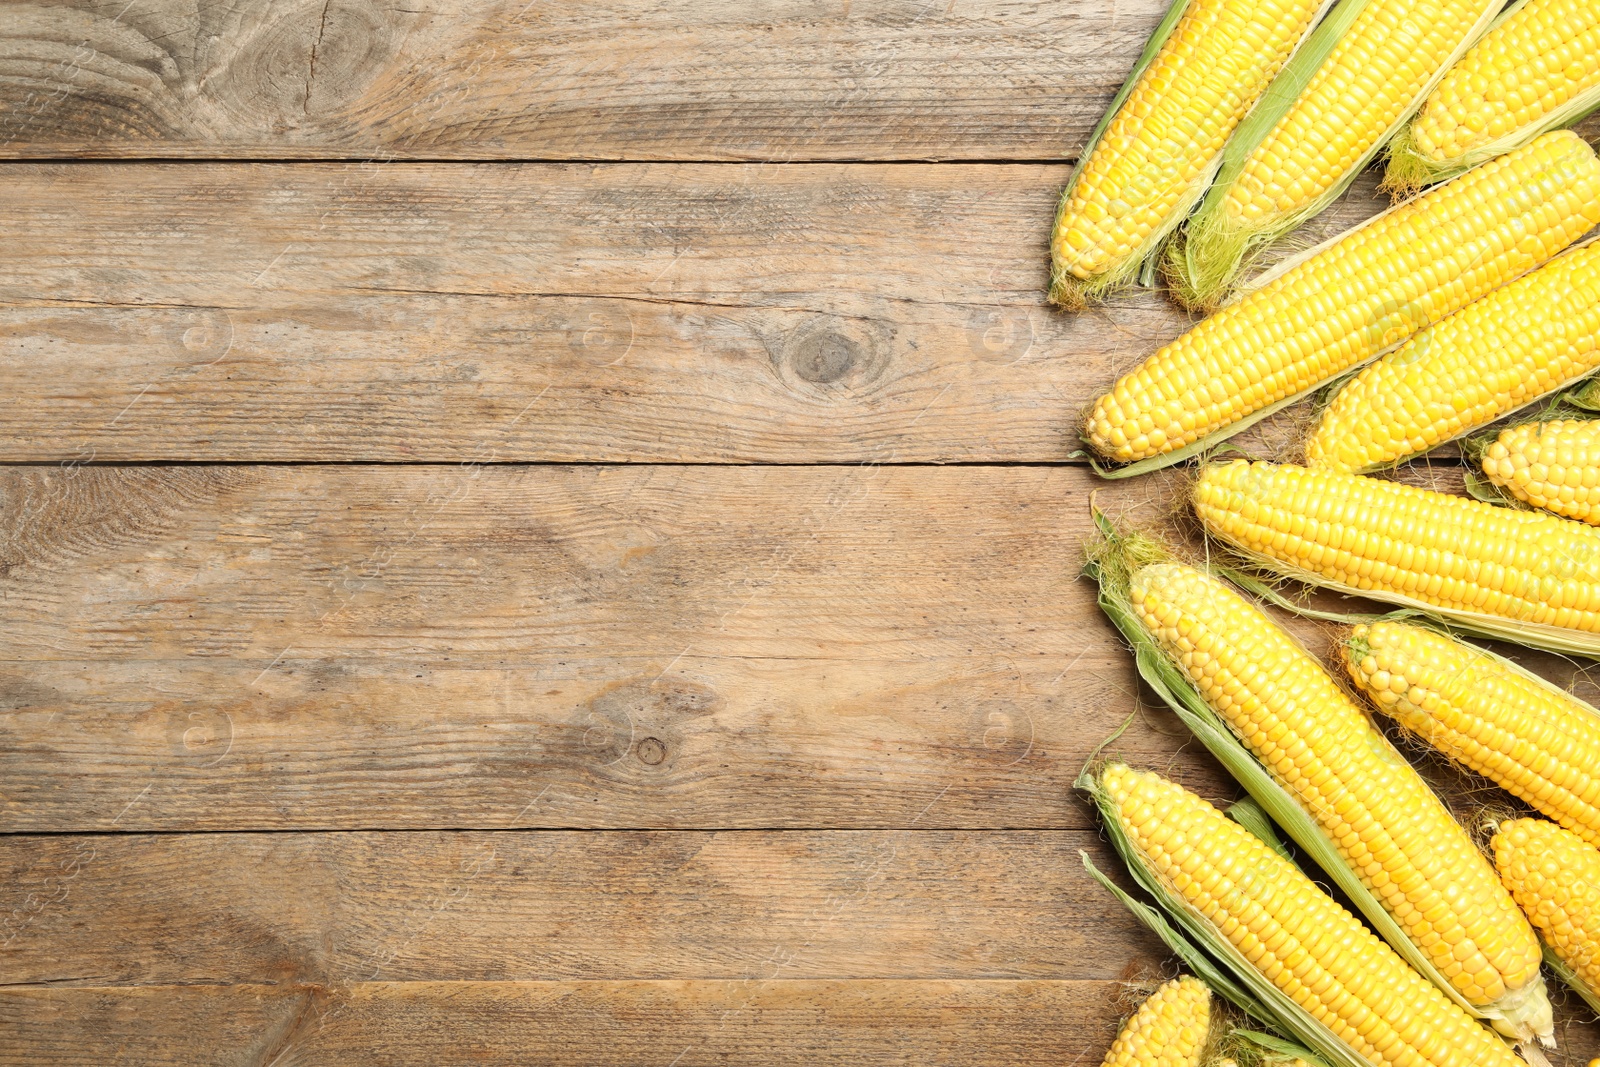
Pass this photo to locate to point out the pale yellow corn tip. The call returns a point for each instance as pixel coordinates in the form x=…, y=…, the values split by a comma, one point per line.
x=1170, y=1028
x=1555, y=876
x=1550, y=465
x=1534, y=741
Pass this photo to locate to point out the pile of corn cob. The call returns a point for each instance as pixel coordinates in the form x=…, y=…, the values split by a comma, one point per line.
x=1468, y=300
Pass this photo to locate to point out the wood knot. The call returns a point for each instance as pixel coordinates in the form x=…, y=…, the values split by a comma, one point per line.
x=645, y=718
x=824, y=357
x=829, y=355
x=308, y=62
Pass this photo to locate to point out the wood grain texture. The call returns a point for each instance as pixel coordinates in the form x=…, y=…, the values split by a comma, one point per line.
x=274, y=647
x=842, y=314
x=564, y=79
x=953, y=1023
x=567, y=1024
x=335, y=908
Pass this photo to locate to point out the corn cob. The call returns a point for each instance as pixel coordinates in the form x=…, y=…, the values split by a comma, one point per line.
x=1555, y=876
x=1170, y=1029
x=1530, y=738
x=1522, y=575
x=1361, y=73
x=1383, y=820
x=1351, y=300
x=1159, y=144
x=1281, y=933
x=1537, y=69
x=1550, y=465
x=1521, y=342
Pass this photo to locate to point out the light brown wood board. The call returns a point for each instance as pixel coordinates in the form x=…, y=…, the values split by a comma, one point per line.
x=639, y=645
x=490, y=314
x=564, y=79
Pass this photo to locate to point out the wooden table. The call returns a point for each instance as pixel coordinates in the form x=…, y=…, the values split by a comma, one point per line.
x=544, y=533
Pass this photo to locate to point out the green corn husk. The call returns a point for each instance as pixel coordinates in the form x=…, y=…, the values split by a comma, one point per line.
x=1354, y=650
x=1112, y=564
x=1570, y=979
x=1489, y=627
x=1075, y=293
x=1251, y=1048
x=1586, y=396
x=1203, y=264
x=1409, y=171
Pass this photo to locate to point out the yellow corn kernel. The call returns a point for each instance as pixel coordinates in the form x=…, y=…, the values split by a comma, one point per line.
x=1386, y=822
x=1374, y=74
x=1156, y=154
x=1461, y=557
x=1550, y=465
x=1540, y=60
x=1521, y=342
x=1555, y=876
x=1292, y=933
x=1532, y=740
x=1370, y=290
x=1169, y=1029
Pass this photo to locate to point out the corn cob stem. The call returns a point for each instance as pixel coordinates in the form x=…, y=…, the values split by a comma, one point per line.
x=1550, y=465
x=1172, y=1028
x=1352, y=300
x=1522, y=342
x=1160, y=142
x=1532, y=739
x=1281, y=724
x=1365, y=68
x=1312, y=966
x=1555, y=876
x=1537, y=69
x=1520, y=575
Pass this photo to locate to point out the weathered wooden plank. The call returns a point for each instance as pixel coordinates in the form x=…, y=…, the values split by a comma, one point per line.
x=567, y=1024
x=334, y=908
x=562, y=79
x=559, y=79
x=860, y=314
x=587, y=1024
x=329, y=646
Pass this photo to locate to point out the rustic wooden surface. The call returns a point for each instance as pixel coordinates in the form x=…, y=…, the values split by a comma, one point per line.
x=336, y=646
x=565, y=79
x=445, y=312
x=612, y=604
